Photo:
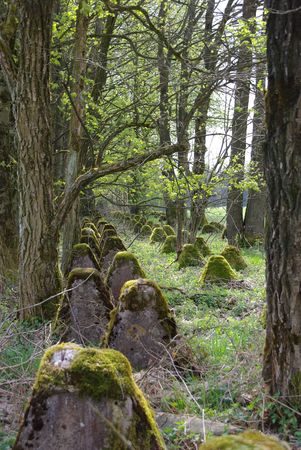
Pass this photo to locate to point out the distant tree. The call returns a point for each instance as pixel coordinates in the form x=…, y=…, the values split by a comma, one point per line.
x=282, y=160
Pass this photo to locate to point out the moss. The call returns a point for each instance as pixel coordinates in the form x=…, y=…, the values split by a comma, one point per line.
x=251, y=240
x=87, y=231
x=201, y=245
x=217, y=270
x=124, y=258
x=234, y=257
x=145, y=230
x=158, y=235
x=169, y=245
x=100, y=224
x=83, y=250
x=190, y=256
x=109, y=226
x=249, y=440
x=168, y=230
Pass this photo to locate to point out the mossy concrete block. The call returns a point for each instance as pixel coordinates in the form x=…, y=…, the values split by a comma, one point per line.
x=108, y=233
x=86, y=399
x=217, y=270
x=124, y=267
x=168, y=230
x=145, y=231
x=83, y=257
x=217, y=225
x=142, y=324
x=111, y=246
x=158, y=235
x=190, y=256
x=137, y=227
x=100, y=225
x=234, y=257
x=201, y=245
x=209, y=229
x=85, y=310
x=89, y=237
x=249, y=440
x=169, y=245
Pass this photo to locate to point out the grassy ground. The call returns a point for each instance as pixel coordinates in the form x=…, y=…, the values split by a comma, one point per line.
x=222, y=324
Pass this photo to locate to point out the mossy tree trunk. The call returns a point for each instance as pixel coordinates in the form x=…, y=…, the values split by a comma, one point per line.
x=239, y=129
x=38, y=245
x=71, y=227
x=256, y=205
x=282, y=369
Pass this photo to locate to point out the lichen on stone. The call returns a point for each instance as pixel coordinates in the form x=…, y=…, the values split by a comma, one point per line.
x=190, y=256
x=217, y=270
x=169, y=245
x=248, y=440
x=234, y=257
x=158, y=235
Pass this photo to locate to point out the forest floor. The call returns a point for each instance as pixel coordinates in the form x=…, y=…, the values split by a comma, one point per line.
x=223, y=325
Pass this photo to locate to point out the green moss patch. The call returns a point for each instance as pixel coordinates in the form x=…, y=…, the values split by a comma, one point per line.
x=217, y=270
x=234, y=257
x=112, y=243
x=81, y=250
x=249, y=440
x=190, y=256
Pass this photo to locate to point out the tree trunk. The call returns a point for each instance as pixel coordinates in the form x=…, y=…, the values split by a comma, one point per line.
x=71, y=229
x=282, y=357
x=8, y=179
x=39, y=277
x=256, y=206
x=239, y=131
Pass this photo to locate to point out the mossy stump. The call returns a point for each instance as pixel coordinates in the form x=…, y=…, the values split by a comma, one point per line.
x=85, y=310
x=190, y=256
x=111, y=246
x=217, y=270
x=249, y=440
x=168, y=230
x=83, y=257
x=142, y=323
x=124, y=267
x=87, y=399
x=201, y=245
x=234, y=257
x=169, y=245
x=158, y=235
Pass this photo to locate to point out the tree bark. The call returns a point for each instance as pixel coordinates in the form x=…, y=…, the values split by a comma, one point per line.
x=239, y=131
x=282, y=356
x=71, y=227
x=39, y=278
x=256, y=205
